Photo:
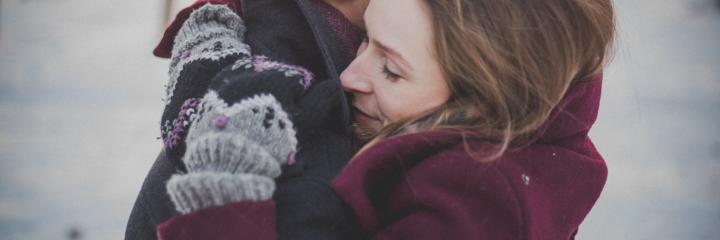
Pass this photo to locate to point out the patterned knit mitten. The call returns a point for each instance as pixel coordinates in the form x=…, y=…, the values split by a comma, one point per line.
x=210, y=39
x=233, y=153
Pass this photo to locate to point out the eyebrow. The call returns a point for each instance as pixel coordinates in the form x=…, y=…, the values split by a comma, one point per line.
x=393, y=53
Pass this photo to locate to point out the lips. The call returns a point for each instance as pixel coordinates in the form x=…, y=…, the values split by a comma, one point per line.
x=365, y=125
x=363, y=114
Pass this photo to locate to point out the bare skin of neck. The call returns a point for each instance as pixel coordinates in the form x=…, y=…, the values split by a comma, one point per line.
x=352, y=9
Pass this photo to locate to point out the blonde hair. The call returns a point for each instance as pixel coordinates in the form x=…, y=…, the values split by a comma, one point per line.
x=508, y=63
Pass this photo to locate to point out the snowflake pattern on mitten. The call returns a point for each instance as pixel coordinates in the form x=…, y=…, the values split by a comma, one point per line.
x=175, y=130
x=258, y=120
x=210, y=39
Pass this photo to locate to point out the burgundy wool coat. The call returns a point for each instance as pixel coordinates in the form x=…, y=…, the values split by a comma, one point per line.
x=426, y=186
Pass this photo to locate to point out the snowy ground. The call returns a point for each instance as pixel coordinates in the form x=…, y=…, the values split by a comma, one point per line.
x=80, y=104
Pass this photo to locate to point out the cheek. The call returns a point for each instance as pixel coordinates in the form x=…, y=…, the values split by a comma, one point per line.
x=396, y=103
x=399, y=101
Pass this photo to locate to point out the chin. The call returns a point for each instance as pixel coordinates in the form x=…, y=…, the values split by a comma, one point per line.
x=364, y=132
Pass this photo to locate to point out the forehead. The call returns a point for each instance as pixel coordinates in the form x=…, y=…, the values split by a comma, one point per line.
x=403, y=25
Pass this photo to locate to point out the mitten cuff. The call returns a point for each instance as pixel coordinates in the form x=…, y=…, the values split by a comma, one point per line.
x=230, y=152
x=198, y=190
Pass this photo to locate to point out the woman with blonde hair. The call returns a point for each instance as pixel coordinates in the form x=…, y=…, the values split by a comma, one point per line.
x=475, y=114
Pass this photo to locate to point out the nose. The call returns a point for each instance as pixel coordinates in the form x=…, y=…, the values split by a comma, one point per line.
x=355, y=78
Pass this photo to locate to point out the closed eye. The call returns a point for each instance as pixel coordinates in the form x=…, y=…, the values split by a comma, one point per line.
x=390, y=75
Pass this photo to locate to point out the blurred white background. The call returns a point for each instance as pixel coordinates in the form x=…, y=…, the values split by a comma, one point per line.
x=80, y=105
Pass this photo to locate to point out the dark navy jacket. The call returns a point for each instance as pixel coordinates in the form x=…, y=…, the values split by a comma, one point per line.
x=307, y=208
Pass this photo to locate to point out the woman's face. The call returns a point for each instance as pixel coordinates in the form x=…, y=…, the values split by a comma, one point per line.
x=396, y=74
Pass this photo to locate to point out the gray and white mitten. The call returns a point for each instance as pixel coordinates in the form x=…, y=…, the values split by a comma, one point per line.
x=210, y=39
x=233, y=153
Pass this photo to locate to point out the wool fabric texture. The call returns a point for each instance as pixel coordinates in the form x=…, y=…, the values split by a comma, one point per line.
x=256, y=128
x=210, y=39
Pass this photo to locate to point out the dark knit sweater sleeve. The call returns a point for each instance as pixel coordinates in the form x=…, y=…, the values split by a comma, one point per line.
x=210, y=38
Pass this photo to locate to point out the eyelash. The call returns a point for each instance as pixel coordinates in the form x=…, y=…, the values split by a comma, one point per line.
x=389, y=74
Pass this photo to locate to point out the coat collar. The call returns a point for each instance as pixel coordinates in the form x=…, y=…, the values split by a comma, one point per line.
x=573, y=116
